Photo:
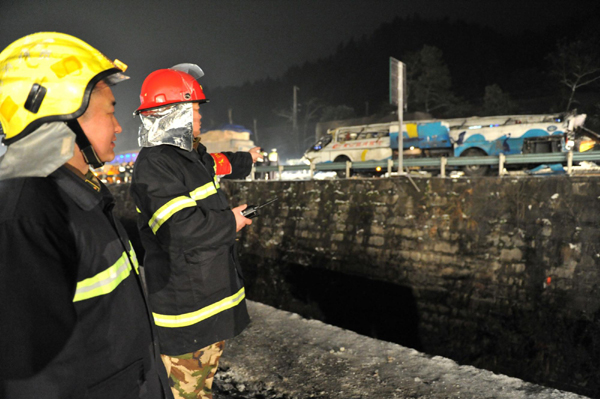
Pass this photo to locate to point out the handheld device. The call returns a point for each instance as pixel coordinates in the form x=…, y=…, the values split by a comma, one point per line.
x=252, y=210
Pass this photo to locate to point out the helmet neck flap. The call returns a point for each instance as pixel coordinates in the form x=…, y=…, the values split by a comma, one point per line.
x=171, y=125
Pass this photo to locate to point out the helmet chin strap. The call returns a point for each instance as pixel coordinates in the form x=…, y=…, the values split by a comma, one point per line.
x=90, y=156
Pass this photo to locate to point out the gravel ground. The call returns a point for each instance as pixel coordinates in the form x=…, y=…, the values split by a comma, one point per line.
x=281, y=355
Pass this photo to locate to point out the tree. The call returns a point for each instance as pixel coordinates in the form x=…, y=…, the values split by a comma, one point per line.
x=337, y=112
x=496, y=102
x=575, y=64
x=429, y=80
x=307, y=112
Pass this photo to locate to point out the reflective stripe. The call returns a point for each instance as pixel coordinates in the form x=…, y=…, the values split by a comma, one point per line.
x=188, y=319
x=216, y=178
x=105, y=282
x=133, y=258
x=203, y=192
x=175, y=205
x=169, y=209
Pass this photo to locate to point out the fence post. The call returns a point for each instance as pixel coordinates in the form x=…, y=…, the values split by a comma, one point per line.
x=252, y=173
x=569, y=162
x=443, y=162
x=312, y=170
x=390, y=165
x=348, y=165
x=502, y=159
x=280, y=168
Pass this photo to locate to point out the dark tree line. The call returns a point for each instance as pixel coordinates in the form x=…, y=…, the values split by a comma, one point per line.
x=454, y=69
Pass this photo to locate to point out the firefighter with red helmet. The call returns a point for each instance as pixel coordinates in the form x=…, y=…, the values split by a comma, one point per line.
x=74, y=321
x=188, y=230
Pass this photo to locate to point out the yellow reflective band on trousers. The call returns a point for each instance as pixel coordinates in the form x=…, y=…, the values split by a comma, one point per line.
x=188, y=319
x=105, y=282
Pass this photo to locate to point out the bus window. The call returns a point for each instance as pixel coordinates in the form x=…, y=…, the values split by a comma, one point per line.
x=323, y=141
x=342, y=137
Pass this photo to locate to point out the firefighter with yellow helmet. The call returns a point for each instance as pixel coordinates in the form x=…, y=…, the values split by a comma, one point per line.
x=74, y=321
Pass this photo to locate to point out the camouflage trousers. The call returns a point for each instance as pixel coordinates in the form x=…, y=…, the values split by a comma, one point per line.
x=191, y=375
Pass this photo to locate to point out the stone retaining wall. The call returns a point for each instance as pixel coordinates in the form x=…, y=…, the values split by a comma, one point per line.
x=502, y=273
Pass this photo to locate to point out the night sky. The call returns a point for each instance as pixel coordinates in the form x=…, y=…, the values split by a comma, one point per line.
x=235, y=41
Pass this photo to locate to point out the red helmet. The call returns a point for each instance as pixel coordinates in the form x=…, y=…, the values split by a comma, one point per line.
x=168, y=86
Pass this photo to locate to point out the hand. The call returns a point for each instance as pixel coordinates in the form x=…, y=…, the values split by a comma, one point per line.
x=240, y=220
x=256, y=154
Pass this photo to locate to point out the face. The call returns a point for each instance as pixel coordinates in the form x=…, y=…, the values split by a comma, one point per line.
x=197, y=117
x=99, y=122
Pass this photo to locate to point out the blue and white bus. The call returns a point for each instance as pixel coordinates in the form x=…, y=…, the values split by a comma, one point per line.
x=474, y=136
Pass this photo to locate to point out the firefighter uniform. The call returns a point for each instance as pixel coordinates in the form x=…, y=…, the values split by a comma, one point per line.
x=194, y=279
x=75, y=323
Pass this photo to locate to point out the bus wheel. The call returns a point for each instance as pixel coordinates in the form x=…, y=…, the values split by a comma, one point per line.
x=475, y=170
x=342, y=173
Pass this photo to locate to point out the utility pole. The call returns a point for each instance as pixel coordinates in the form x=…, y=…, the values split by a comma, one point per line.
x=295, y=116
x=230, y=112
x=401, y=105
x=255, y=131
x=295, y=110
x=398, y=96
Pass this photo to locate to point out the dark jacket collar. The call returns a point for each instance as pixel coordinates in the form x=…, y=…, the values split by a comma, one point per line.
x=80, y=191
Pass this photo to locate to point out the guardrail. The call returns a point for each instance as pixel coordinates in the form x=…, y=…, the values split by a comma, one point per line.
x=566, y=158
x=441, y=164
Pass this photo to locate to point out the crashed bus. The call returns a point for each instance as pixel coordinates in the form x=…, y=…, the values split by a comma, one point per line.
x=466, y=137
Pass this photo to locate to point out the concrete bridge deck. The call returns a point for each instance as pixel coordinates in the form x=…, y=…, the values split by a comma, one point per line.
x=282, y=355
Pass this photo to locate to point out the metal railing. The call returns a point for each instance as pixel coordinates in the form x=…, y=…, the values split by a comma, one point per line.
x=442, y=164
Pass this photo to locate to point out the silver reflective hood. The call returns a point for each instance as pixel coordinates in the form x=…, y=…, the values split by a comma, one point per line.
x=39, y=153
x=171, y=125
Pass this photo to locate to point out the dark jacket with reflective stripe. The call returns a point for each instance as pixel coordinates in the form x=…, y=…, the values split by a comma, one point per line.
x=73, y=317
x=188, y=231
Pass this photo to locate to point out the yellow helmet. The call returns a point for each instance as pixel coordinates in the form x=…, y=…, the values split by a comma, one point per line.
x=49, y=77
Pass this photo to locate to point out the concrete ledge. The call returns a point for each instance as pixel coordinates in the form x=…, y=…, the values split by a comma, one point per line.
x=282, y=355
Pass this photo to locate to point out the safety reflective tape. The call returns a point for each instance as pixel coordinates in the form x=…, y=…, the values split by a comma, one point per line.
x=203, y=192
x=169, y=209
x=175, y=205
x=188, y=319
x=133, y=258
x=104, y=282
